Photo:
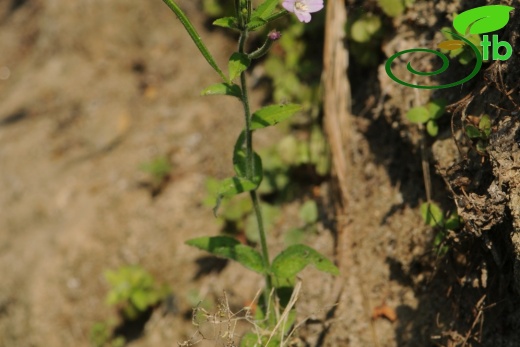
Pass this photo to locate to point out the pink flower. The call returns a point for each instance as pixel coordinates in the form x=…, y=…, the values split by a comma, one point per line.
x=303, y=8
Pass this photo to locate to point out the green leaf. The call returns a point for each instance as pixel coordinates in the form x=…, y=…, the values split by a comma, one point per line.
x=432, y=214
x=230, y=248
x=472, y=132
x=235, y=185
x=481, y=146
x=265, y=9
x=226, y=22
x=446, y=32
x=365, y=28
x=271, y=115
x=432, y=128
x=436, y=108
x=258, y=22
x=485, y=125
x=393, y=8
x=238, y=63
x=141, y=300
x=309, y=212
x=253, y=340
x=159, y=167
x=250, y=340
x=195, y=37
x=294, y=259
x=418, y=115
x=453, y=222
x=481, y=20
x=223, y=89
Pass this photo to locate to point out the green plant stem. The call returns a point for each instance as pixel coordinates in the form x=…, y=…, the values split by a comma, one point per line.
x=250, y=170
x=263, y=240
x=247, y=111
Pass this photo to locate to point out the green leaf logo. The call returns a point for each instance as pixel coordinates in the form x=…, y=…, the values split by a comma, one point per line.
x=481, y=20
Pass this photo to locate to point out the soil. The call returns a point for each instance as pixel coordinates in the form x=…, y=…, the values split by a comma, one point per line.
x=91, y=90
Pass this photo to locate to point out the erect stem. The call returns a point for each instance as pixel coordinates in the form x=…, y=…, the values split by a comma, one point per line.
x=247, y=111
x=250, y=171
x=263, y=242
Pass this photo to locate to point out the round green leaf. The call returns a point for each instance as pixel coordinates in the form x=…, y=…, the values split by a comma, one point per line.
x=432, y=128
x=436, y=108
x=418, y=115
x=432, y=214
x=365, y=28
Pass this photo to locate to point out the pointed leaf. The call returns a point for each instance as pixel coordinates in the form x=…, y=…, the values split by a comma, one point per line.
x=271, y=115
x=418, y=115
x=432, y=214
x=226, y=22
x=195, y=37
x=436, y=108
x=481, y=20
x=294, y=259
x=230, y=248
x=235, y=185
x=258, y=22
x=223, y=89
x=265, y=9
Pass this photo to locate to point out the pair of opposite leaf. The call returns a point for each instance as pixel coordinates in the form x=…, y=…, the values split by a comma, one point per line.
x=479, y=20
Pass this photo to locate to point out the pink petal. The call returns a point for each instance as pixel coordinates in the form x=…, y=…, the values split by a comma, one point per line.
x=289, y=5
x=314, y=5
x=304, y=17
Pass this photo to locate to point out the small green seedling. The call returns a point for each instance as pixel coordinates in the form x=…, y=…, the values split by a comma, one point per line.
x=480, y=133
x=101, y=335
x=159, y=168
x=428, y=115
x=365, y=32
x=134, y=291
x=433, y=216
